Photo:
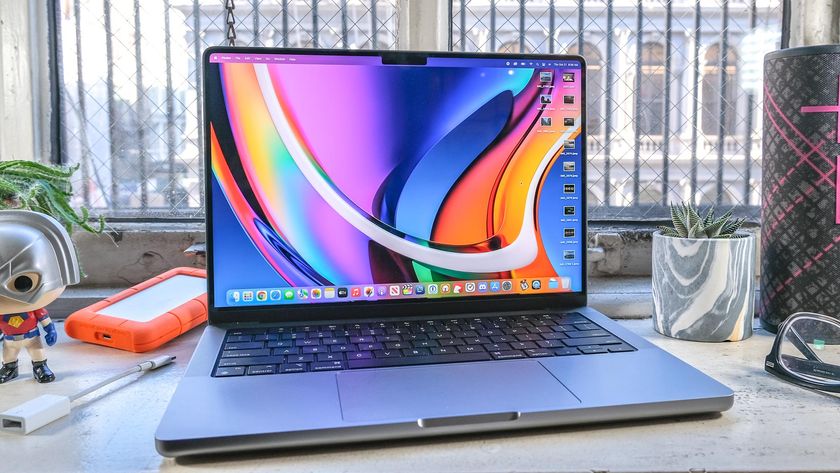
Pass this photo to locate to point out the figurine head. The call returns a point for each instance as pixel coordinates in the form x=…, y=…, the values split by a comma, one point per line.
x=37, y=261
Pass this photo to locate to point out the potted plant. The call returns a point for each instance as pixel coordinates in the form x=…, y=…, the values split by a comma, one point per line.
x=27, y=185
x=703, y=277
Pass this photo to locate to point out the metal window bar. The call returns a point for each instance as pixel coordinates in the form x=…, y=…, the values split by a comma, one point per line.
x=666, y=107
x=724, y=102
x=637, y=130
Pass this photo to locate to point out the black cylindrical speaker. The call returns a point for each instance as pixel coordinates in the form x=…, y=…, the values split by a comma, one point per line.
x=800, y=217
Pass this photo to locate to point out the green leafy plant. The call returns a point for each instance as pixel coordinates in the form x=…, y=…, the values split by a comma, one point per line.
x=28, y=185
x=689, y=224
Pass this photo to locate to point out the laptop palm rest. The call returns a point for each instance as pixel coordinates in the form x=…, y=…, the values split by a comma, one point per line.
x=451, y=394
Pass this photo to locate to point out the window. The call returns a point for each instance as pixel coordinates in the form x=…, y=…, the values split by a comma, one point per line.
x=668, y=162
x=651, y=85
x=131, y=120
x=713, y=97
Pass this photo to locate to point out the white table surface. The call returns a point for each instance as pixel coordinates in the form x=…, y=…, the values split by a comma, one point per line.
x=773, y=426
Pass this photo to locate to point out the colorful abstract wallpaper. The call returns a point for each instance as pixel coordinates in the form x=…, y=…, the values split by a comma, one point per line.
x=343, y=172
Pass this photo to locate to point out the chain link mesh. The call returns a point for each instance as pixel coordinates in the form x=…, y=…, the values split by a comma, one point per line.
x=130, y=86
x=639, y=162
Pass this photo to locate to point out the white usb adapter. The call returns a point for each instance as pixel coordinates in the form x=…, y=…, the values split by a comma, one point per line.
x=42, y=410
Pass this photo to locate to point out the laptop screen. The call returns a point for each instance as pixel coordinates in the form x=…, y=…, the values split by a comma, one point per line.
x=343, y=178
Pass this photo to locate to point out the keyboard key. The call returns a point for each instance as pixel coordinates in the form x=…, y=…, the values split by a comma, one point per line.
x=587, y=326
x=279, y=344
x=286, y=351
x=552, y=335
x=266, y=337
x=245, y=353
x=477, y=341
x=528, y=337
x=293, y=368
x=577, y=342
x=416, y=352
x=259, y=360
x=260, y=369
x=417, y=360
x=620, y=348
x=398, y=345
x=424, y=344
x=327, y=366
x=365, y=339
x=566, y=352
x=330, y=356
x=507, y=354
x=300, y=358
x=443, y=350
x=452, y=342
x=471, y=348
x=342, y=348
x=238, y=338
x=243, y=346
x=589, y=350
x=497, y=346
x=589, y=333
x=538, y=352
x=360, y=355
x=503, y=339
x=522, y=345
x=550, y=344
x=231, y=371
x=387, y=354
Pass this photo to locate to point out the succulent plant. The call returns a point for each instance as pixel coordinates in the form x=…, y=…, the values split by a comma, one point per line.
x=689, y=224
x=27, y=185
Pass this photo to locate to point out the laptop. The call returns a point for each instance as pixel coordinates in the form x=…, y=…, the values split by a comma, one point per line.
x=397, y=248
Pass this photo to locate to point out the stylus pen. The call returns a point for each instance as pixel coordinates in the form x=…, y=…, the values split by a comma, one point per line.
x=38, y=412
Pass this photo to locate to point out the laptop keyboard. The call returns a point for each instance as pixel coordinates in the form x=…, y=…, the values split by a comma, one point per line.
x=300, y=349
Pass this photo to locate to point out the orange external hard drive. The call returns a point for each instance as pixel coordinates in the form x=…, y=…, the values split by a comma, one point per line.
x=147, y=315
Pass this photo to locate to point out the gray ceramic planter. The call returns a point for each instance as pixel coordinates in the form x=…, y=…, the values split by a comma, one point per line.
x=703, y=289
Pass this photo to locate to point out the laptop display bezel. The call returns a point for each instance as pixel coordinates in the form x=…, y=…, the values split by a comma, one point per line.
x=404, y=307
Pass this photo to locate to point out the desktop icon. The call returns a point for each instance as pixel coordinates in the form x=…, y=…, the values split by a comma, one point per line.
x=329, y=293
x=432, y=289
x=545, y=121
x=566, y=283
x=570, y=144
x=394, y=290
x=369, y=291
x=553, y=283
x=419, y=289
x=568, y=99
x=568, y=77
x=568, y=121
x=275, y=295
x=568, y=188
x=523, y=284
x=568, y=233
x=507, y=286
x=545, y=99
x=457, y=288
x=495, y=286
x=407, y=289
x=262, y=296
x=568, y=254
x=381, y=291
x=568, y=166
x=569, y=210
x=288, y=294
x=315, y=293
x=247, y=296
x=483, y=286
x=445, y=288
x=536, y=284
x=469, y=287
x=341, y=292
x=303, y=294
x=355, y=292
x=235, y=296
x=545, y=77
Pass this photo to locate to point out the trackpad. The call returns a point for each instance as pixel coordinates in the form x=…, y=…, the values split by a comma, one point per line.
x=440, y=391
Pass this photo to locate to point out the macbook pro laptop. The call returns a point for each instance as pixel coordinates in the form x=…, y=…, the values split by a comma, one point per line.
x=397, y=248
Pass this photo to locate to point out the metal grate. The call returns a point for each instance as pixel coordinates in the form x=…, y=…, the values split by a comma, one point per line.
x=129, y=86
x=673, y=105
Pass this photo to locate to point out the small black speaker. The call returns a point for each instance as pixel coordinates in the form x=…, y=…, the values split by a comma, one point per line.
x=800, y=226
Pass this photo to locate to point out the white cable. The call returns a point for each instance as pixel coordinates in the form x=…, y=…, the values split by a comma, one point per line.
x=38, y=412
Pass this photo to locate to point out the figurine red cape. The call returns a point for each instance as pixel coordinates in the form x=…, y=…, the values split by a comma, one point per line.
x=37, y=262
